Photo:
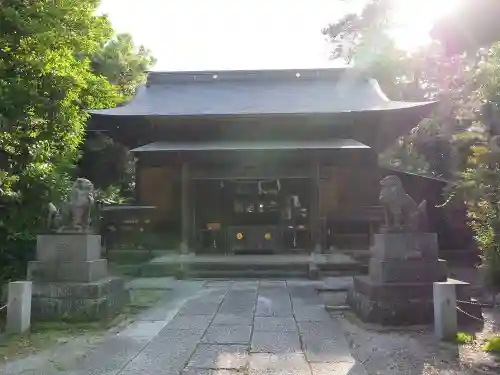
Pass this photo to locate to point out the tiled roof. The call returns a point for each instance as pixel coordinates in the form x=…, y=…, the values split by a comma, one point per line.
x=248, y=93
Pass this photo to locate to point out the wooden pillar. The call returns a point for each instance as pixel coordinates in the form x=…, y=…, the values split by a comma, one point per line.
x=138, y=182
x=314, y=214
x=185, y=209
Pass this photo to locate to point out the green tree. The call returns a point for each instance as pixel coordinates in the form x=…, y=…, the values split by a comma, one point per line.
x=108, y=164
x=104, y=161
x=478, y=183
x=462, y=139
x=123, y=64
x=427, y=74
x=45, y=85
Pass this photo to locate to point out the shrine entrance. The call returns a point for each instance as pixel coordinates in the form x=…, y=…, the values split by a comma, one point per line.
x=252, y=215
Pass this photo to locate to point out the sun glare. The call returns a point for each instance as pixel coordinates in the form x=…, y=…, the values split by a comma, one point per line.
x=413, y=20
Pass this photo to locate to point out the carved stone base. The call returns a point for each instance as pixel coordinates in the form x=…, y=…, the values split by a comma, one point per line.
x=68, y=247
x=70, y=281
x=84, y=271
x=99, y=300
x=392, y=312
x=407, y=271
x=405, y=246
x=399, y=304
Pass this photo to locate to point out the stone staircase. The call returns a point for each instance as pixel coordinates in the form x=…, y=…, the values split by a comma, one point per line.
x=232, y=266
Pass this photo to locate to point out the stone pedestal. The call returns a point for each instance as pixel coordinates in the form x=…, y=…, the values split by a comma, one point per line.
x=70, y=281
x=398, y=289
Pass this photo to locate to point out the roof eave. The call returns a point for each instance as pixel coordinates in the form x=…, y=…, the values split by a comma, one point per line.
x=235, y=146
x=405, y=106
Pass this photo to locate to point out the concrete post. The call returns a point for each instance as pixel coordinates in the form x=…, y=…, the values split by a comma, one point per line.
x=19, y=307
x=445, y=311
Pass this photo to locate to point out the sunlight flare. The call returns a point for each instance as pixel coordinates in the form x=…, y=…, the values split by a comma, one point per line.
x=413, y=20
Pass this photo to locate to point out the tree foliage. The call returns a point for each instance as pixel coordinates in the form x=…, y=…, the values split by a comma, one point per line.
x=123, y=64
x=429, y=73
x=478, y=183
x=107, y=163
x=460, y=141
x=479, y=186
x=46, y=82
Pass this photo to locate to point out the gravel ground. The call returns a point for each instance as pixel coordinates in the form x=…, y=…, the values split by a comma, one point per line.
x=416, y=351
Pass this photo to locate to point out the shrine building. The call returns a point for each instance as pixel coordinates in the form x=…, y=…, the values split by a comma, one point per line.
x=267, y=161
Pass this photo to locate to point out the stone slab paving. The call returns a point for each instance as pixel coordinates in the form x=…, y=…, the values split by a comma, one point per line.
x=267, y=327
x=270, y=327
x=275, y=342
x=166, y=354
x=244, y=318
x=227, y=334
x=274, y=324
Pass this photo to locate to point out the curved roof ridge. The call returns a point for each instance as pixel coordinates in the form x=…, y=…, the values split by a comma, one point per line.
x=168, y=77
x=260, y=92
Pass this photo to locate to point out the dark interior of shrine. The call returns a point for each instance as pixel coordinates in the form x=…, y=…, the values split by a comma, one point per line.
x=279, y=207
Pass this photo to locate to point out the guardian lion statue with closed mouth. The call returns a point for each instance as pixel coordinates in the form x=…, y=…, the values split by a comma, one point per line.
x=402, y=214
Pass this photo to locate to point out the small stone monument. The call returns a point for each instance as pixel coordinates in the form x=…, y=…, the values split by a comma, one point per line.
x=398, y=289
x=70, y=280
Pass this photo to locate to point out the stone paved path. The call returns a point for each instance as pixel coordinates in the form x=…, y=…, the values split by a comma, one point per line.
x=255, y=328
x=229, y=328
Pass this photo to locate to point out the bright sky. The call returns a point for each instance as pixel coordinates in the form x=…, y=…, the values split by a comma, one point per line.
x=251, y=34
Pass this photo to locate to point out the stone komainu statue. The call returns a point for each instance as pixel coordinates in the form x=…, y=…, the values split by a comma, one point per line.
x=401, y=212
x=54, y=219
x=75, y=212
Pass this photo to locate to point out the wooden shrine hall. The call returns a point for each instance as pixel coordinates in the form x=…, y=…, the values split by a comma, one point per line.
x=265, y=161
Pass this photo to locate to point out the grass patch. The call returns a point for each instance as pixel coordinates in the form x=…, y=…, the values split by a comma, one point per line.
x=492, y=345
x=142, y=299
x=46, y=335
x=464, y=338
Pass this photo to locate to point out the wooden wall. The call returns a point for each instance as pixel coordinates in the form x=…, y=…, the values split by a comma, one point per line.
x=342, y=192
x=343, y=189
x=157, y=186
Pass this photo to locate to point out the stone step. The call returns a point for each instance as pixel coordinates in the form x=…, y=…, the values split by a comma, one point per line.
x=362, y=256
x=248, y=265
x=339, y=308
x=342, y=273
x=248, y=274
x=283, y=265
x=253, y=251
x=133, y=270
x=133, y=256
x=356, y=268
x=210, y=270
x=155, y=271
